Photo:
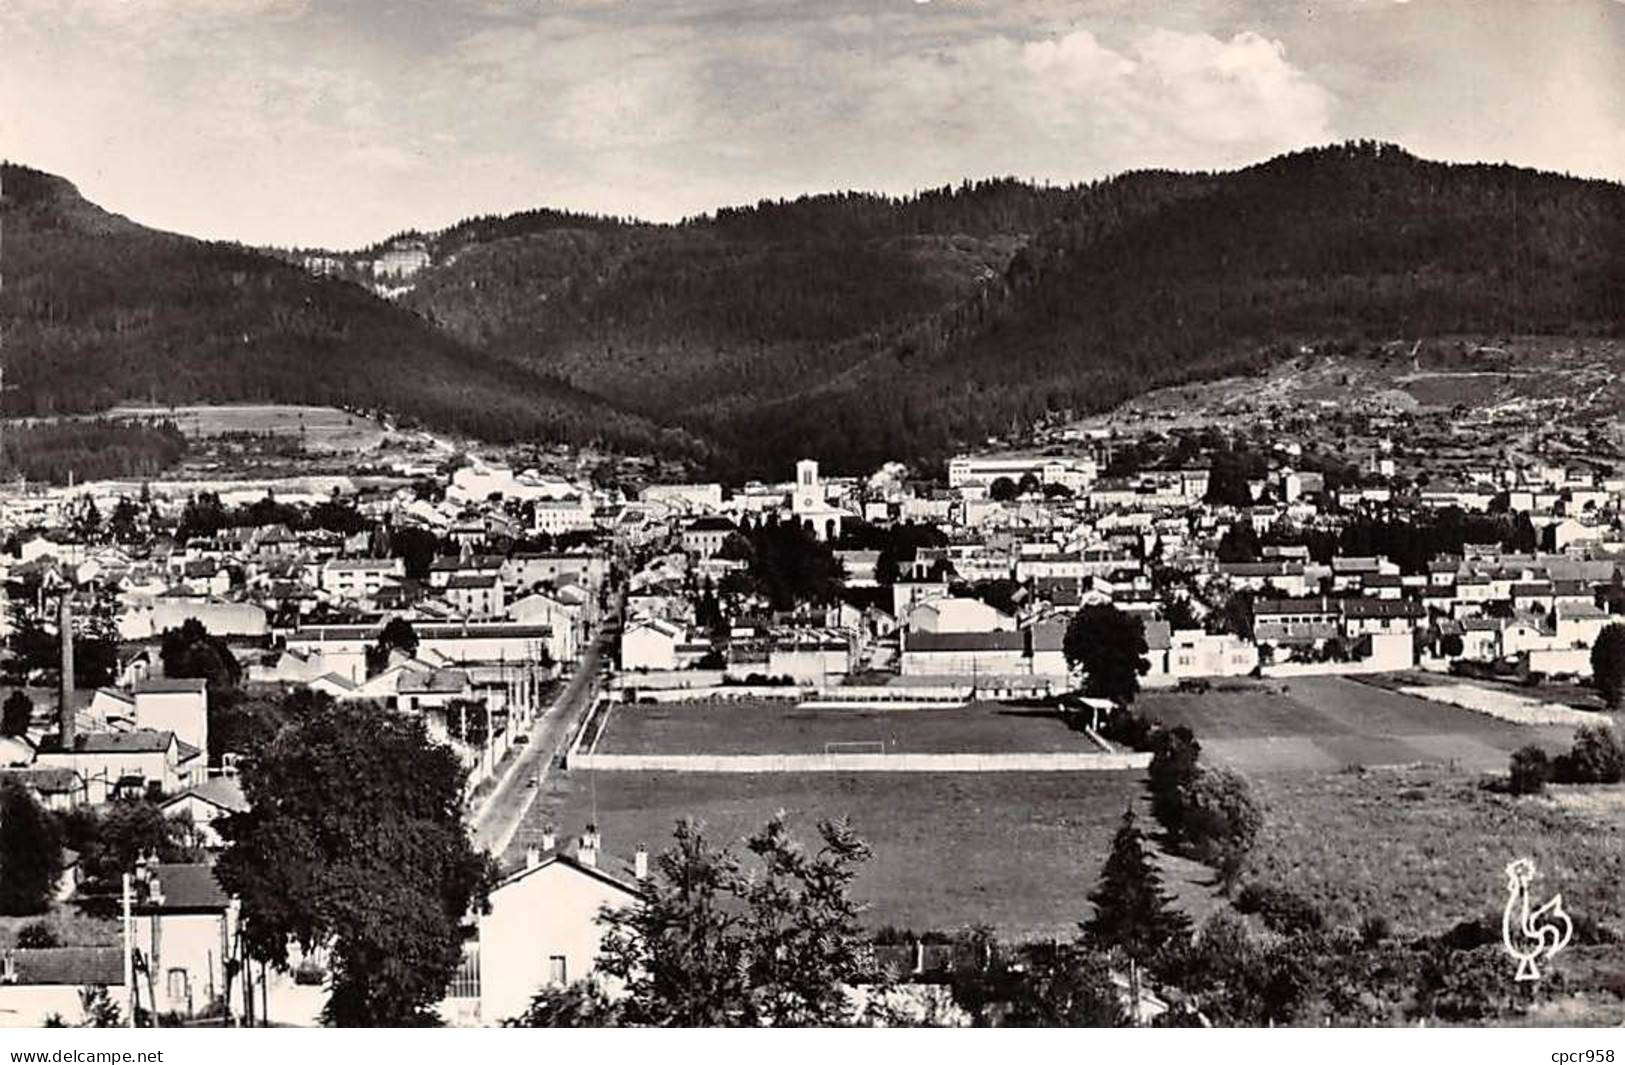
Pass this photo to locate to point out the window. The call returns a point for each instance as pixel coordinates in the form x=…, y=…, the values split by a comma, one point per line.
x=175, y=983
x=556, y=974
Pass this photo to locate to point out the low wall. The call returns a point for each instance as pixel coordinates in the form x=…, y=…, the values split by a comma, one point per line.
x=880, y=704
x=1330, y=669
x=720, y=693
x=1035, y=762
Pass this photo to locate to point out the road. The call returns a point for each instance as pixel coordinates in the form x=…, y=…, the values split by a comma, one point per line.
x=494, y=824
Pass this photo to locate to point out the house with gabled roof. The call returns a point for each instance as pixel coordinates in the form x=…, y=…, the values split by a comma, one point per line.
x=541, y=929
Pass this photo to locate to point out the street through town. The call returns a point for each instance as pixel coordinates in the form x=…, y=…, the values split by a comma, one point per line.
x=494, y=824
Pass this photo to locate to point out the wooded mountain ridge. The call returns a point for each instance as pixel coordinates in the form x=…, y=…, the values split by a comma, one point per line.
x=853, y=327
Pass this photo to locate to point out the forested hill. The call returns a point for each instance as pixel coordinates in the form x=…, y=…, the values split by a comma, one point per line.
x=98, y=309
x=852, y=327
x=1156, y=278
x=736, y=307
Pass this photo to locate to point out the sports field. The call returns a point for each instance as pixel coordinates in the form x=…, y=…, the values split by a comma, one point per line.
x=1332, y=723
x=763, y=726
x=1017, y=851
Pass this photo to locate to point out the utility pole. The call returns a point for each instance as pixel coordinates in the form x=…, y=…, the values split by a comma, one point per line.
x=129, y=958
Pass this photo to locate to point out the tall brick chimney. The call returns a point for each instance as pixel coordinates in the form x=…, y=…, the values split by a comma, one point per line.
x=64, y=626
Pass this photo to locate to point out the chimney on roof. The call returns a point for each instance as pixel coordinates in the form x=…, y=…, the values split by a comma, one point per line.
x=549, y=840
x=587, y=852
x=640, y=863
x=64, y=627
x=533, y=857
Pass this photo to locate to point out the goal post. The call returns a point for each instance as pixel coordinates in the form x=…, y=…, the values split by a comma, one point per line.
x=855, y=747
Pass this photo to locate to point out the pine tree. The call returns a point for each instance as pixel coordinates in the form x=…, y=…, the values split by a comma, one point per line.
x=1132, y=911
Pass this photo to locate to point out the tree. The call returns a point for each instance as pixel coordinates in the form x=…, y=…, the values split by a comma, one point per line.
x=1608, y=665
x=1065, y=985
x=1110, y=647
x=711, y=944
x=17, y=714
x=581, y=1004
x=1528, y=770
x=1003, y=490
x=1174, y=754
x=112, y=838
x=190, y=651
x=30, y=851
x=1132, y=912
x=354, y=840
x=396, y=635
x=1239, y=543
x=1221, y=820
x=1597, y=757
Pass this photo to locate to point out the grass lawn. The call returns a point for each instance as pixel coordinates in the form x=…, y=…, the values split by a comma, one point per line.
x=769, y=727
x=72, y=928
x=1427, y=847
x=1016, y=851
x=1327, y=724
x=322, y=427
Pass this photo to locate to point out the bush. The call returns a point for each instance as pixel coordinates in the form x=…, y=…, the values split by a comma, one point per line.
x=38, y=934
x=1528, y=771
x=1174, y=753
x=1220, y=819
x=1374, y=929
x=1281, y=909
x=1596, y=758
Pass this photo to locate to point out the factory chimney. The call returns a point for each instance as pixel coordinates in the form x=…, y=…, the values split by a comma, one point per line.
x=64, y=626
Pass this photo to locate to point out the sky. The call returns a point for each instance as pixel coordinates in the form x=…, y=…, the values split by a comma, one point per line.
x=338, y=122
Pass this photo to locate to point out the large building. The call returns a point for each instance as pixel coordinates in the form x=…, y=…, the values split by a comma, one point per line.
x=1072, y=471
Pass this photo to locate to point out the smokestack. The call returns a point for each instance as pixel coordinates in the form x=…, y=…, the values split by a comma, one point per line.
x=64, y=626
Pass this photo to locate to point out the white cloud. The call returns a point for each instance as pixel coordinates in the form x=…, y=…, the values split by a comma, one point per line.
x=291, y=120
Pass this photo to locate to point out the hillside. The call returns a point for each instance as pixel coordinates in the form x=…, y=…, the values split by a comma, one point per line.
x=1155, y=279
x=854, y=327
x=746, y=304
x=98, y=309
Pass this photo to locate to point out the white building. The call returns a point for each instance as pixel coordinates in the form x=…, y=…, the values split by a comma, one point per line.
x=542, y=930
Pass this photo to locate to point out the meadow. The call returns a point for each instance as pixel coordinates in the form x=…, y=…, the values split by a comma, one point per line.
x=1327, y=724
x=1426, y=847
x=323, y=428
x=1016, y=851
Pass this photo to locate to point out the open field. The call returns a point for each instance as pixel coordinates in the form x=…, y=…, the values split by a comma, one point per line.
x=1427, y=847
x=769, y=727
x=324, y=428
x=1016, y=851
x=1329, y=723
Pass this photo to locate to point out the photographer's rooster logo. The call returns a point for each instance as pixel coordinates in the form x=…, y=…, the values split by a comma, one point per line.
x=1532, y=934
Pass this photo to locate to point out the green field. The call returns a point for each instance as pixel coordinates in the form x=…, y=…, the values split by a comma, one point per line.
x=323, y=428
x=764, y=726
x=1017, y=851
x=1427, y=847
x=1331, y=723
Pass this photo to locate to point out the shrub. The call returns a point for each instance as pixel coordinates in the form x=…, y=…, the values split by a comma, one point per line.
x=38, y=934
x=1172, y=770
x=1596, y=758
x=1220, y=819
x=1375, y=928
x=1281, y=909
x=1528, y=771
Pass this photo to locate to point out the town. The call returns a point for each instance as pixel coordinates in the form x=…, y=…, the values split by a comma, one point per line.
x=945, y=662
